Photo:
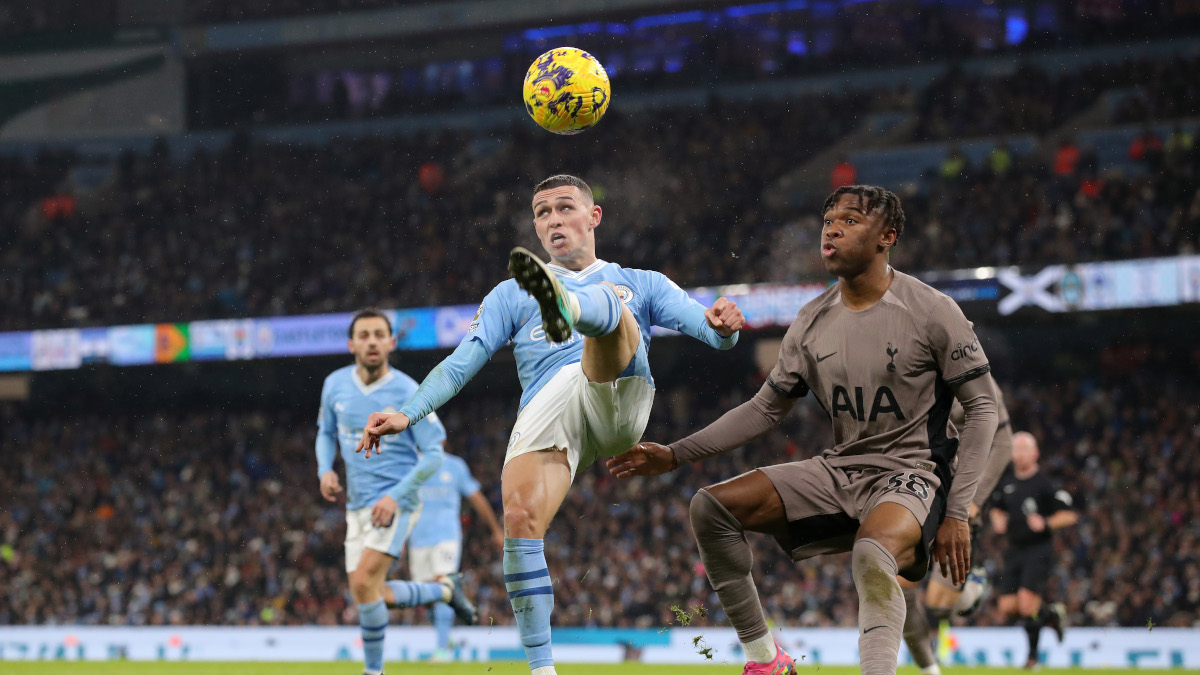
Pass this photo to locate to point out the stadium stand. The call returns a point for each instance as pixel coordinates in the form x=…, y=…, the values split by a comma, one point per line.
x=681, y=186
x=98, y=519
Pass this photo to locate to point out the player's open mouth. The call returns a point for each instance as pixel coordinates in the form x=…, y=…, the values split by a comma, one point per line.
x=558, y=239
x=828, y=249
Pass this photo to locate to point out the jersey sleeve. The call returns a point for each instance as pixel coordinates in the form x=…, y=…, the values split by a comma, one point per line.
x=491, y=328
x=494, y=323
x=429, y=432
x=953, y=344
x=671, y=307
x=1058, y=500
x=327, y=445
x=789, y=376
x=465, y=482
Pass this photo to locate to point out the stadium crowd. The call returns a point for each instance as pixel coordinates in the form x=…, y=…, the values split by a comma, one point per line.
x=213, y=516
x=1033, y=100
x=258, y=230
x=263, y=230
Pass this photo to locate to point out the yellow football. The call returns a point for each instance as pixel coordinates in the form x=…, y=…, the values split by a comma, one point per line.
x=566, y=90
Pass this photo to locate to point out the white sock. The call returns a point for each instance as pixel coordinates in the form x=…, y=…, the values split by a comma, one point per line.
x=573, y=305
x=544, y=670
x=935, y=669
x=761, y=650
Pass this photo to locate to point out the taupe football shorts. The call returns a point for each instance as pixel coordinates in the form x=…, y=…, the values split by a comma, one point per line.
x=825, y=505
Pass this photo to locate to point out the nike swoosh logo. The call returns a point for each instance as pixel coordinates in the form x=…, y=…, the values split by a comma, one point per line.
x=822, y=358
x=872, y=628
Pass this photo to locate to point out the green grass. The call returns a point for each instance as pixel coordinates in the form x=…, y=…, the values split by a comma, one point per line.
x=508, y=668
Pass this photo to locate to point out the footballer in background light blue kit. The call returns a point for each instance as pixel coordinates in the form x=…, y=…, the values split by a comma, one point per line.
x=346, y=403
x=580, y=330
x=383, y=501
x=436, y=544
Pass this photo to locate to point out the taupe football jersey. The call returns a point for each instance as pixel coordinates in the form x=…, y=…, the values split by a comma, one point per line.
x=883, y=374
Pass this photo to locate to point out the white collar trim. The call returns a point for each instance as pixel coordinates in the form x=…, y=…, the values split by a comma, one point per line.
x=571, y=274
x=368, y=389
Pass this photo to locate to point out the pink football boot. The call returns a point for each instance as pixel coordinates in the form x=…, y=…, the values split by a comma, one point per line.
x=782, y=665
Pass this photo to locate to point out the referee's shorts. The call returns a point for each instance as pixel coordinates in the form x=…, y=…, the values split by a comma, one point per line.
x=1027, y=567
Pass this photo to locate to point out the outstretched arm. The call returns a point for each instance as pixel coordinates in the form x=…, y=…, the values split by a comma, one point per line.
x=446, y=379
x=716, y=326
x=732, y=430
x=443, y=382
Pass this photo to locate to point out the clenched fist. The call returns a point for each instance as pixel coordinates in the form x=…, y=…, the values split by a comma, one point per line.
x=724, y=317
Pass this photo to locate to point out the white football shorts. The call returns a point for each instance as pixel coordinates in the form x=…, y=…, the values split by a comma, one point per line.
x=587, y=420
x=361, y=534
x=430, y=562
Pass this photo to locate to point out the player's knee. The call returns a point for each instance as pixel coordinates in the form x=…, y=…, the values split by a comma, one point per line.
x=874, y=570
x=1029, y=607
x=709, y=518
x=521, y=523
x=902, y=551
x=361, y=584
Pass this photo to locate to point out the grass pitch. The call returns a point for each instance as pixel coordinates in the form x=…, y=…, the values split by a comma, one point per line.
x=507, y=668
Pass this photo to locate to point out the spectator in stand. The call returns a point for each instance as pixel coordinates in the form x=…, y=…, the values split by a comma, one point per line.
x=1000, y=160
x=164, y=517
x=1146, y=147
x=954, y=167
x=1066, y=159
x=1180, y=142
x=843, y=173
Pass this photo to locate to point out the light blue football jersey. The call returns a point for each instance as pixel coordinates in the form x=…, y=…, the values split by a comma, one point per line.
x=508, y=313
x=441, y=503
x=346, y=404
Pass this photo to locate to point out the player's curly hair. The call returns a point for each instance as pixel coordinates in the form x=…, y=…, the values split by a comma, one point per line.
x=873, y=199
x=562, y=180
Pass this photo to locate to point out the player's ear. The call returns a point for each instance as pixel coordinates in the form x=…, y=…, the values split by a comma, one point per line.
x=392, y=344
x=350, y=346
x=597, y=214
x=887, y=239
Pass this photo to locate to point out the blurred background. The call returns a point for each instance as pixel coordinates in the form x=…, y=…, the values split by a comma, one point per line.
x=176, y=177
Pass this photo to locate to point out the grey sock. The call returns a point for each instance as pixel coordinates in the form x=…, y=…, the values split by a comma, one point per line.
x=728, y=560
x=937, y=615
x=916, y=630
x=880, y=607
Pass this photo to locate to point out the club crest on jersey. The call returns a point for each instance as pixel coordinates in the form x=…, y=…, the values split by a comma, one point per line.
x=624, y=293
x=891, y=352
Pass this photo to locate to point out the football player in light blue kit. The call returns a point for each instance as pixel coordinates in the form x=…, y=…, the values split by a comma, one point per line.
x=581, y=346
x=435, y=546
x=383, y=501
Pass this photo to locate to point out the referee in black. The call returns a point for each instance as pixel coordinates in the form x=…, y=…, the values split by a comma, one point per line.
x=1028, y=507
